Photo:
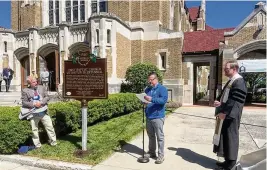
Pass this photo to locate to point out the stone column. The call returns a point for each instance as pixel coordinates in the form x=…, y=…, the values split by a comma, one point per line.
x=33, y=47
x=45, y=16
x=102, y=38
x=88, y=10
x=63, y=49
x=212, y=81
x=62, y=12
x=114, y=50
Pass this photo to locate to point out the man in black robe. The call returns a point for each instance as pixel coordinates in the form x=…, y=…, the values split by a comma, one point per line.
x=229, y=109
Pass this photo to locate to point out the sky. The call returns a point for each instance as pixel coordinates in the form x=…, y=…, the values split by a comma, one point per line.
x=219, y=14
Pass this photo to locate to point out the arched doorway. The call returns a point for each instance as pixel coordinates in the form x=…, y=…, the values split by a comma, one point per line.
x=22, y=55
x=25, y=70
x=48, y=57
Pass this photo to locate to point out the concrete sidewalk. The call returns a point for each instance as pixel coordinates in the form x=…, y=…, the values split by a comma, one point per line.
x=188, y=142
x=188, y=146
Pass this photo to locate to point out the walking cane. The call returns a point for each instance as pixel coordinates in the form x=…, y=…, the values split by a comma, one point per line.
x=143, y=159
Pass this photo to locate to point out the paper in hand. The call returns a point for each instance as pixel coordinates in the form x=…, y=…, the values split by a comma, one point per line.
x=141, y=97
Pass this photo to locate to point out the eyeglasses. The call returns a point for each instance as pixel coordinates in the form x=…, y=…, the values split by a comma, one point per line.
x=227, y=68
x=151, y=79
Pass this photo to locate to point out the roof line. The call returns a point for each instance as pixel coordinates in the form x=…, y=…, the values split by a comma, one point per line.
x=245, y=21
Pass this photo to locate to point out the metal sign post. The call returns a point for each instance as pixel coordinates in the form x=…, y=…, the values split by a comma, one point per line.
x=84, y=106
x=85, y=78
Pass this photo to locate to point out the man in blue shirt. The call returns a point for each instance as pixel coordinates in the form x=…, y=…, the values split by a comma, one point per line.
x=157, y=97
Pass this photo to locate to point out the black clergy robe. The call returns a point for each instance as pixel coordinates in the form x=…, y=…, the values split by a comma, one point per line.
x=229, y=138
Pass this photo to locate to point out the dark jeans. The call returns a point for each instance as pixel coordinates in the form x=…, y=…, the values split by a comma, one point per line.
x=7, y=81
x=0, y=85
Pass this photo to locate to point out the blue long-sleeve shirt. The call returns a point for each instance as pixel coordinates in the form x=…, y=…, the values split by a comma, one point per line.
x=156, y=109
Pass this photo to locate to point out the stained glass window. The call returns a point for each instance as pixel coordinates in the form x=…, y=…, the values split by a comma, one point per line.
x=82, y=11
x=68, y=11
x=94, y=7
x=103, y=6
x=57, y=12
x=75, y=11
x=51, y=12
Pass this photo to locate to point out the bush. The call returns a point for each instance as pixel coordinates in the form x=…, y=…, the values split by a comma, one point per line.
x=13, y=132
x=66, y=118
x=136, y=77
x=200, y=95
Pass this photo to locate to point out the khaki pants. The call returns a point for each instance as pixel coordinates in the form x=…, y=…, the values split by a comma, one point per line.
x=47, y=122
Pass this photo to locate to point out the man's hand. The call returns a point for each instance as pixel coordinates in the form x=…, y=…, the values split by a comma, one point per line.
x=148, y=98
x=37, y=104
x=221, y=116
x=217, y=103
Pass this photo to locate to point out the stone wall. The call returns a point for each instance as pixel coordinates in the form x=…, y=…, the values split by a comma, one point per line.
x=25, y=16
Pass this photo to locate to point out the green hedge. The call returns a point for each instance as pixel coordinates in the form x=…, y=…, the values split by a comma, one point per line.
x=66, y=118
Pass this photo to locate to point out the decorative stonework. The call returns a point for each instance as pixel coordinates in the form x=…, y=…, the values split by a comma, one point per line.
x=32, y=61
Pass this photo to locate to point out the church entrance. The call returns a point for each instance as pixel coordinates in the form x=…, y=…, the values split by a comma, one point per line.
x=25, y=70
x=51, y=63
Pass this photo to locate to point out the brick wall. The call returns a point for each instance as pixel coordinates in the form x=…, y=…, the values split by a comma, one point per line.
x=165, y=13
x=120, y=9
x=174, y=71
x=136, y=51
x=150, y=10
x=136, y=11
x=109, y=62
x=29, y=16
x=123, y=55
x=185, y=73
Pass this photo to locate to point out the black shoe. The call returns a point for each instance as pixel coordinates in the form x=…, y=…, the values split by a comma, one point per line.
x=221, y=164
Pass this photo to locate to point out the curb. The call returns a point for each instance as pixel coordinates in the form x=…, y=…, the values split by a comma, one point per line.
x=43, y=163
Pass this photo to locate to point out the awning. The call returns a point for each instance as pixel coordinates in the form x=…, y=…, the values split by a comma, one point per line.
x=252, y=65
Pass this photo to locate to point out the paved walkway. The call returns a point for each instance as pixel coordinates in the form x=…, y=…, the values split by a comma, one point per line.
x=188, y=136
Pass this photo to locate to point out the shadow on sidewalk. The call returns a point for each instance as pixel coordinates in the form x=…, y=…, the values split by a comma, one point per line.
x=128, y=148
x=194, y=157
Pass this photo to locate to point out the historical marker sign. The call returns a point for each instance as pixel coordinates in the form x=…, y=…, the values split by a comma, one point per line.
x=85, y=78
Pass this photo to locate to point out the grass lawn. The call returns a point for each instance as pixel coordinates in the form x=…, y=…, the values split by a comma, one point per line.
x=102, y=140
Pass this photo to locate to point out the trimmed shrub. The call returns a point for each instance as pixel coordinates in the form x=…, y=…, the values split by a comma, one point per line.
x=13, y=132
x=66, y=118
x=136, y=77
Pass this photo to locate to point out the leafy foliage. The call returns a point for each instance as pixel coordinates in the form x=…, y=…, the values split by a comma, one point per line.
x=66, y=118
x=136, y=77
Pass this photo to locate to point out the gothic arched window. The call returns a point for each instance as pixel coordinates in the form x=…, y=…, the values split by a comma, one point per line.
x=97, y=36
x=5, y=45
x=108, y=36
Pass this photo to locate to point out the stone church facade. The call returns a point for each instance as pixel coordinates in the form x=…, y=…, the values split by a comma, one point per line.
x=45, y=33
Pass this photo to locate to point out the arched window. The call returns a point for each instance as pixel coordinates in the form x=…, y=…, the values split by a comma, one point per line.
x=108, y=36
x=5, y=46
x=97, y=36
